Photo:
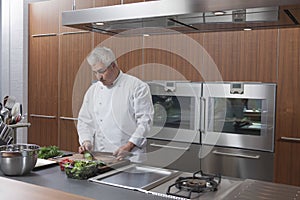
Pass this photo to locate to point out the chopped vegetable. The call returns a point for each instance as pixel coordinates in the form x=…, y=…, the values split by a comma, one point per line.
x=87, y=156
x=49, y=152
x=80, y=169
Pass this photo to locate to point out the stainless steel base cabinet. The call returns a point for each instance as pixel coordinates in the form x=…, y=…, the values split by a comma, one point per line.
x=239, y=163
x=173, y=155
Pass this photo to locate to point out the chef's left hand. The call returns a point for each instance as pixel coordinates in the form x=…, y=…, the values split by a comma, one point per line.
x=124, y=150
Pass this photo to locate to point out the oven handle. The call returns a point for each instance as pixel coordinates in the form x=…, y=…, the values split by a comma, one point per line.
x=203, y=113
x=170, y=147
x=291, y=139
x=236, y=155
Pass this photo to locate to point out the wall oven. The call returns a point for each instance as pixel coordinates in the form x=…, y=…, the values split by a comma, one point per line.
x=174, y=141
x=176, y=110
x=237, y=129
x=239, y=115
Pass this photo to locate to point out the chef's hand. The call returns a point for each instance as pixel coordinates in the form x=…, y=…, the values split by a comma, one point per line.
x=86, y=145
x=124, y=151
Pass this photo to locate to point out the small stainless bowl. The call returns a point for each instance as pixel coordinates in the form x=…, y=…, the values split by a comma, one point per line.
x=18, y=159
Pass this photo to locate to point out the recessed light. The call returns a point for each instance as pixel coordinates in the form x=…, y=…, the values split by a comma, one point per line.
x=146, y=35
x=99, y=23
x=247, y=29
x=218, y=13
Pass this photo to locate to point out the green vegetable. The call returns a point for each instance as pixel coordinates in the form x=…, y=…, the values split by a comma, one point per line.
x=49, y=152
x=80, y=169
x=87, y=156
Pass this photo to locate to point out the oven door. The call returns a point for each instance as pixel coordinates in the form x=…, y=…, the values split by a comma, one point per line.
x=176, y=111
x=239, y=115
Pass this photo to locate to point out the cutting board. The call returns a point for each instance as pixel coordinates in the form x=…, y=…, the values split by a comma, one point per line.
x=108, y=158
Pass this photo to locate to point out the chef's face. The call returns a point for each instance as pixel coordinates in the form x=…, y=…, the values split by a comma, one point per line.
x=104, y=74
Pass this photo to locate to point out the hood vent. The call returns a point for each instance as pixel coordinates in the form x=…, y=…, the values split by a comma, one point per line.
x=186, y=16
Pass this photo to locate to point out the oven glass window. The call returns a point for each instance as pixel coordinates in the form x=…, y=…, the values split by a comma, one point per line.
x=239, y=116
x=174, y=111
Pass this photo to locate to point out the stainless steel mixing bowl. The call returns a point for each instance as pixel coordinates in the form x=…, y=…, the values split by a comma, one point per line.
x=18, y=159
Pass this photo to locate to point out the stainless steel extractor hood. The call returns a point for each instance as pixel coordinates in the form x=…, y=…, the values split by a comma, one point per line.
x=187, y=15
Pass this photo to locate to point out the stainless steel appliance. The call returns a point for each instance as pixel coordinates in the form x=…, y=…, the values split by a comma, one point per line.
x=174, y=141
x=176, y=110
x=184, y=16
x=238, y=129
x=135, y=177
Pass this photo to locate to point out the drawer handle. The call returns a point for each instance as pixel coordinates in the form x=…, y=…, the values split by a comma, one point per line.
x=291, y=139
x=236, y=155
x=74, y=32
x=44, y=35
x=170, y=147
x=68, y=118
x=43, y=116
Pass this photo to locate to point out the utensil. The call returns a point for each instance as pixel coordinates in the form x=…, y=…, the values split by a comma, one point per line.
x=9, y=102
x=18, y=159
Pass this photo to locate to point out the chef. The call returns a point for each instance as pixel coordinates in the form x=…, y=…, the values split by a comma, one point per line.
x=117, y=111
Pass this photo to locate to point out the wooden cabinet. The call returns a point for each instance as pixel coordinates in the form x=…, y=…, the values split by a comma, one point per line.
x=65, y=5
x=244, y=55
x=42, y=90
x=43, y=17
x=75, y=77
x=287, y=163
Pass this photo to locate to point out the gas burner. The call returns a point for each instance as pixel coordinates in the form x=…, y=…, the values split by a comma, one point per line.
x=199, y=183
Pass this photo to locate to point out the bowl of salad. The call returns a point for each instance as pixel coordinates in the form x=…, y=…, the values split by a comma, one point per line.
x=81, y=169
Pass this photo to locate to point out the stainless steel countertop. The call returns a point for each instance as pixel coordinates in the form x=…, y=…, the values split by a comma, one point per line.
x=229, y=188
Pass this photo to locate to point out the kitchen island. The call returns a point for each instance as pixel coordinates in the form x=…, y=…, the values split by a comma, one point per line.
x=52, y=183
x=52, y=177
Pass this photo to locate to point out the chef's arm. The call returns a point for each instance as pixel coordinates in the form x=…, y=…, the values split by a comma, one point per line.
x=124, y=150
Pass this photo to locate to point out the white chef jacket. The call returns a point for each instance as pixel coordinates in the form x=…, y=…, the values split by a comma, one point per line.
x=112, y=116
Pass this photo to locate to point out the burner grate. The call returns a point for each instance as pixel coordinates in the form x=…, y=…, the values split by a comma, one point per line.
x=198, y=183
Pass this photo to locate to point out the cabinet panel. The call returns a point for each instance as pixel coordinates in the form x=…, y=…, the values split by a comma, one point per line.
x=42, y=90
x=68, y=135
x=287, y=163
x=43, y=131
x=173, y=155
x=68, y=5
x=100, y=3
x=43, y=17
x=42, y=75
x=235, y=54
x=288, y=108
x=167, y=63
x=266, y=53
x=75, y=78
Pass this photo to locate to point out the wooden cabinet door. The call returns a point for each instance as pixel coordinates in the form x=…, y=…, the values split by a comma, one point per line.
x=43, y=17
x=100, y=3
x=42, y=90
x=75, y=77
x=65, y=5
x=287, y=163
x=244, y=55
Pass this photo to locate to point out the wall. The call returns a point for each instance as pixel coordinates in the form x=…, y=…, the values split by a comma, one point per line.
x=14, y=54
x=13, y=62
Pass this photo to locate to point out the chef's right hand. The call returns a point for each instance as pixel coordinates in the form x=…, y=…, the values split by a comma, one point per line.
x=86, y=145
